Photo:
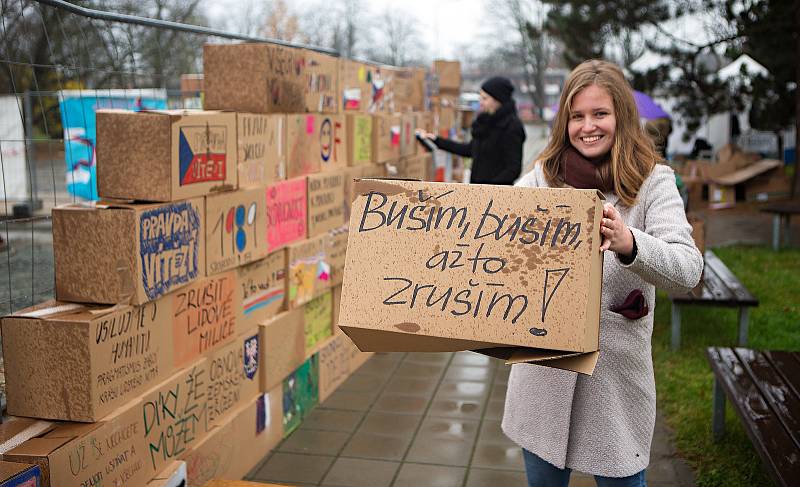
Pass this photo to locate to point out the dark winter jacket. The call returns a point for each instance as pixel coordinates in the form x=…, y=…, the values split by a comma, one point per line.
x=496, y=146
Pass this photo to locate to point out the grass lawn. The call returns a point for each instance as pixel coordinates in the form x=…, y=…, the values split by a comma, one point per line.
x=684, y=378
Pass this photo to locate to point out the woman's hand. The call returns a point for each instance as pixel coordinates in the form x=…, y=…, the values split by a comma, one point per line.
x=427, y=135
x=615, y=234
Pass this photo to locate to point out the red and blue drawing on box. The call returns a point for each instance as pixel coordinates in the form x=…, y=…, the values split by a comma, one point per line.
x=78, y=119
x=169, y=237
x=202, y=154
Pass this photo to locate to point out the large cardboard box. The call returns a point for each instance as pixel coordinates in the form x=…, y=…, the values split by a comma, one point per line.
x=449, y=73
x=127, y=253
x=300, y=394
x=511, y=272
x=325, y=202
x=354, y=85
x=254, y=77
x=282, y=347
x=165, y=155
x=287, y=213
x=262, y=149
x=334, y=364
x=316, y=142
x=385, y=138
x=359, y=139
x=74, y=362
x=409, y=89
x=408, y=140
x=262, y=289
x=184, y=410
x=322, y=82
x=336, y=251
x=20, y=475
x=221, y=455
x=309, y=270
x=317, y=320
x=172, y=476
x=108, y=452
x=235, y=229
x=204, y=317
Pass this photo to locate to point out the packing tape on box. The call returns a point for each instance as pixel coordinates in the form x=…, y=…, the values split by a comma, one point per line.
x=32, y=431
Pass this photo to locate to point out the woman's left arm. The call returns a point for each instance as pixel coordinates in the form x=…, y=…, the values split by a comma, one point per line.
x=665, y=254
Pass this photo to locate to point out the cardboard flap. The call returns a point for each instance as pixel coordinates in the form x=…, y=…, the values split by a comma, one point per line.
x=747, y=172
x=38, y=447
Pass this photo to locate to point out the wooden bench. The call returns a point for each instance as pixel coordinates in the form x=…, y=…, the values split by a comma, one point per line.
x=718, y=287
x=764, y=389
x=782, y=213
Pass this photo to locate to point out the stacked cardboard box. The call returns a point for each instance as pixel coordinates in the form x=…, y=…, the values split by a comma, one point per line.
x=197, y=303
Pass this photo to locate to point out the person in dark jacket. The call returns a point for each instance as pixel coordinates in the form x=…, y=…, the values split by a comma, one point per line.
x=497, y=136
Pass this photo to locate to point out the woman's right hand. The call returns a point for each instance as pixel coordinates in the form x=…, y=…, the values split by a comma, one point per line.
x=427, y=135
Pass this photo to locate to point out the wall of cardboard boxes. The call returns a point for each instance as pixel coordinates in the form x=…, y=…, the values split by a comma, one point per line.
x=197, y=302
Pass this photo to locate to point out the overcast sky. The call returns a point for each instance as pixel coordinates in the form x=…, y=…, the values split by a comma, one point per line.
x=445, y=24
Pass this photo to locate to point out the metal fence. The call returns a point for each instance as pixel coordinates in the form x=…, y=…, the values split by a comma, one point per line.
x=58, y=62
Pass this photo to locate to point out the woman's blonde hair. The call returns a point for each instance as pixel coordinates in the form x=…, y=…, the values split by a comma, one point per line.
x=632, y=154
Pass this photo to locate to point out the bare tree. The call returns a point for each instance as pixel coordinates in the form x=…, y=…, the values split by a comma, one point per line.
x=398, y=34
x=282, y=23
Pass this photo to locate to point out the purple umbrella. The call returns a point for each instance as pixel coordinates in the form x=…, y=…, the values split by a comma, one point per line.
x=648, y=109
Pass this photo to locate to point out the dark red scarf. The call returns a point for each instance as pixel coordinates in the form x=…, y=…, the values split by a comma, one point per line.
x=581, y=173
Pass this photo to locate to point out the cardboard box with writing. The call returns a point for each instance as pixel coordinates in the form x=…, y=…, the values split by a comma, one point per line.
x=510, y=272
x=204, y=317
x=165, y=155
x=325, y=202
x=354, y=85
x=127, y=253
x=449, y=73
x=359, y=139
x=235, y=224
x=74, y=362
x=261, y=288
x=254, y=77
x=221, y=456
x=108, y=452
x=334, y=364
x=309, y=270
x=20, y=475
x=182, y=411
x=336, y=251
x=317, y=320
x=409, y=89
x=174, y=475
x=282, y=347
x=287, y=213
x=322, y=82
x=300, y=394
x=262, y=149
x=315, y=142
x=385, y=138
x=408, y=140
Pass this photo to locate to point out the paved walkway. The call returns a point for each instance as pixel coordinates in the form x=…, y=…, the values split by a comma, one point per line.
x=422, y=420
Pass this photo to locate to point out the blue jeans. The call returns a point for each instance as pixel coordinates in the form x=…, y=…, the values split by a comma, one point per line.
x=543, y=474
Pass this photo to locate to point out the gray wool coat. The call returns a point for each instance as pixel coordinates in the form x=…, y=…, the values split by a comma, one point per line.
x=603, y=424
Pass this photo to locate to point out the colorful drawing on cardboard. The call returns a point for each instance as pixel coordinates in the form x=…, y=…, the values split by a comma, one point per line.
x=77, y=109
x=362, y=139
x=318, y=316
x=251, y=357
x=326, y=139
x=306, y=276
x=286, y=213
x=202, y=155
x=262, y=413
x=300, y=394
x=169, y=238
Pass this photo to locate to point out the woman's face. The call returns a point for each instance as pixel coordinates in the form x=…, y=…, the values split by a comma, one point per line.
x=487, y=103
x=592, y=123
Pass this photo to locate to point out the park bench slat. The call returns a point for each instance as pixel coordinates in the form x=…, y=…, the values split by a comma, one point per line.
x=770, y=439
x=779, y=395
x=788, y=365
x=729, y=280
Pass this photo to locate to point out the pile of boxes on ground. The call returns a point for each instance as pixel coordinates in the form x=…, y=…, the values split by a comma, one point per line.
x=197, y=302
x=736, y=175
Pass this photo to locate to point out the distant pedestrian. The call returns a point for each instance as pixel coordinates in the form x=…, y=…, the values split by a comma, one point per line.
x=497, y=136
